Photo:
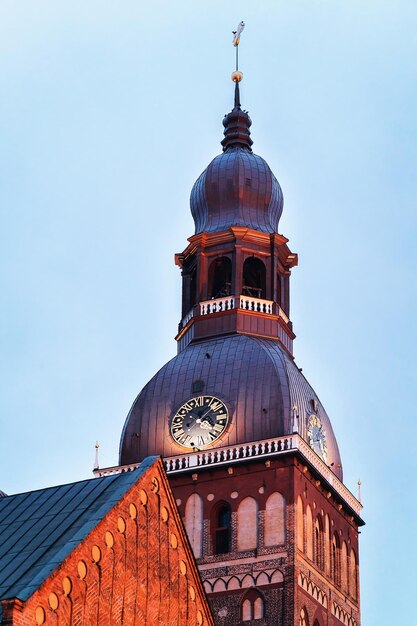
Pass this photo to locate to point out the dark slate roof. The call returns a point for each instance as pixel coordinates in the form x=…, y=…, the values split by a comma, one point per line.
x=39, y=529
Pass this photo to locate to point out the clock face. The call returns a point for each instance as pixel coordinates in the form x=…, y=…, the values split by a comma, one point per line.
x=317, y=436
x=199, y=422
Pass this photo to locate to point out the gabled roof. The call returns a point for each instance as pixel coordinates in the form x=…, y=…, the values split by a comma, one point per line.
x=39, y=529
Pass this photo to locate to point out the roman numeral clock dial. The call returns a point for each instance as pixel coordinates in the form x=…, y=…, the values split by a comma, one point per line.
x=199, y=422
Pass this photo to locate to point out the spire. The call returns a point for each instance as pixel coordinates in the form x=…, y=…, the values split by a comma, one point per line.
x=237, y=122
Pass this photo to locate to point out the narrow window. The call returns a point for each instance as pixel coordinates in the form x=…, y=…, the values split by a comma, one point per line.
x=275, y=520
x=220, y=278
x=247, y=524
x=254, y=278
x=222, y=529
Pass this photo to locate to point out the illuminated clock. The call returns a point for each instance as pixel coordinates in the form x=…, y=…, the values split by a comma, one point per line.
x=316, y=436
x=199, y=422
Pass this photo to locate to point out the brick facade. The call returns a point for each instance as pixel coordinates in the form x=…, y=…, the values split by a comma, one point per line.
x=135, y=568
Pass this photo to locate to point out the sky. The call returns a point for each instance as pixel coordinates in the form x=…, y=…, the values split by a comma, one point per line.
x=109, y=111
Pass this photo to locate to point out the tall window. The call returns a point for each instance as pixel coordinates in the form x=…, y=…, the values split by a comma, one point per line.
x=220, y=278
x=300, y=524
x=194, y=523
x=353, y=578
x=254, y=278
x=253, y=606
x=309, y=532
x=275, y=519
x=222, y=528
x=335, y=559
x=318, y=543
x=247, y=524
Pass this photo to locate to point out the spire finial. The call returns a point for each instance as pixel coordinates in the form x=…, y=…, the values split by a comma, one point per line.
x=359, y=491
x=237, y=75
x=96, y=463
x=237, y=122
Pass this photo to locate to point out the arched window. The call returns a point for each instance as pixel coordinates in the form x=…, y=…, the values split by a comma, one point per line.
x=246, y=610
x=335, y=558
x=222, y=518
x=275, y=520
x=344, y=567
x=254, y=278
x=309, y=533
x=253, y=606
x=193, y=287
x=247, y=524
x=279, y=296
x=220, y=277
x=258, y=608
x=353, y=577
x=300, y=524
x=194, y=523
x=318, y=543
x=303, y=617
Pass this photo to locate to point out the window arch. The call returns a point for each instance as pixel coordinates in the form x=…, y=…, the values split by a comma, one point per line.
x=254, y=278
x=303, y=617
x=275, y=519
x=344, y=567
x=222, y=526
x=220, y=277
x=247, y=524
x=318, y=543
x=353, y=575
x=335, y=558
x=194, y=523
x=300, y=524
x=193, y=287
x=253, y=606
x=309, y=532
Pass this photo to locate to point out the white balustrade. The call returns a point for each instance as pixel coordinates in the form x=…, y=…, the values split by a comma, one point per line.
x=187, y=317
x=216, y=305
x=238, y=453
x=256, y=304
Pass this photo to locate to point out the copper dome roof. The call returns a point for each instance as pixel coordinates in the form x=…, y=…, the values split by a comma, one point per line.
x=255, y=377
x=238, y=187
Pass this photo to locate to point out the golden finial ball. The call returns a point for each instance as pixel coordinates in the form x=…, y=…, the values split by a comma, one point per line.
x=237, y=76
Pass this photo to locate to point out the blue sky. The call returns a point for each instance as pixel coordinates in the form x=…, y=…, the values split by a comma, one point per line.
x=108, y=113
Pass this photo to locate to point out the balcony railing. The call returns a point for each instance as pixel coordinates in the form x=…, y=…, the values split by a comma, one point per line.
x=247, y=303
x=193, y=461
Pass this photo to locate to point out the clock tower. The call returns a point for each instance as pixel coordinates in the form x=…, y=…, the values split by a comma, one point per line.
x=248, y=447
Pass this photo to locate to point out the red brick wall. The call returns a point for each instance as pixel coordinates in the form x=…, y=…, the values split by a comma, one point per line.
x=135, y=568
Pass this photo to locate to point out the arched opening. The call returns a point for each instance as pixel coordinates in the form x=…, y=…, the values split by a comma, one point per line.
x=254, y=278
x=309, y=533
x=193, y=287
x=335, y=559
x=253, y=606
x=220, y=278
x=275, y=519
x=247, y=524
x=194, y=523
x=318, y=543
x=300, y=524
x=221, y=524
x=353, y=578
x=344, y=567
x=279, y=297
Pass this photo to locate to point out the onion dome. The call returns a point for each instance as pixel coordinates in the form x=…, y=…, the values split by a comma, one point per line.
x=255, y=378
x=238, y=188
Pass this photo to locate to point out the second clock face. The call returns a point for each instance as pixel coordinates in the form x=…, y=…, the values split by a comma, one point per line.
x=317, y=436
x=199, y=422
